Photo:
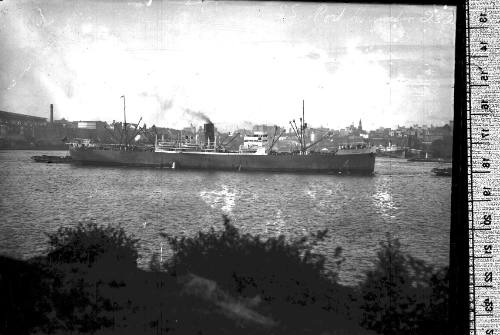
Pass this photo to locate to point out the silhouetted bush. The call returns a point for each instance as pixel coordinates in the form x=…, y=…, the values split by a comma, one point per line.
x=87, y=242
x=403, y=294
x=24, y=303
x=287, y=276
x=217, y=282
x=89, y=263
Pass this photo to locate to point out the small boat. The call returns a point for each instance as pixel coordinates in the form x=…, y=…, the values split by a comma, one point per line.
x=51, y=159
x=442, y=171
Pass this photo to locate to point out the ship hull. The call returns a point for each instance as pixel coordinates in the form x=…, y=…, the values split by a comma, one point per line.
x=352, y=163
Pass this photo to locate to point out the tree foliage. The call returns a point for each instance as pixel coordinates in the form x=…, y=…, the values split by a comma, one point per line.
x=249, y=265
x=403, y=294
x=88, y=242
x=88, y=263
x=218, y=282
x=286, y=275
x=442, y=148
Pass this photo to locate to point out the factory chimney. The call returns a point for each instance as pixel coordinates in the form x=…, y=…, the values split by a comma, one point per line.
x=51, y=113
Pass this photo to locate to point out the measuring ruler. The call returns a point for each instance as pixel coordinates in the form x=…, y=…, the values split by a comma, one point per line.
x=483, y=131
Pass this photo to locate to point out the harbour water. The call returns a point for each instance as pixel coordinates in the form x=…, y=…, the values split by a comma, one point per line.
x=402, y=198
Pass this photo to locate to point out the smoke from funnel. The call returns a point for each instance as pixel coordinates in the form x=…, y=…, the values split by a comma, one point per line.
x=197, y=115
x=166, y=104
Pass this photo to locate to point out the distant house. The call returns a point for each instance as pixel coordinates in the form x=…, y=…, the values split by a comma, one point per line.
x=21, y=119
x=437, y=133
x=379, y=136
x=64, y=123
x=91, y=125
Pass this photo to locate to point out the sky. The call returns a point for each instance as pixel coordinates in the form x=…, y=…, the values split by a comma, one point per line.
x=237, y=63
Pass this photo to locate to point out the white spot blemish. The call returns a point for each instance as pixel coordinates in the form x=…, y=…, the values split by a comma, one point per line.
x=41, y=15
x=12, y=84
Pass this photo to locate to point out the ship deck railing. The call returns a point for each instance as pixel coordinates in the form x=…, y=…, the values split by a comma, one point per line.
x=114, y=147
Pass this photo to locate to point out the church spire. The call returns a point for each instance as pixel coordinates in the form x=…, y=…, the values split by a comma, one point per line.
x=360, y=127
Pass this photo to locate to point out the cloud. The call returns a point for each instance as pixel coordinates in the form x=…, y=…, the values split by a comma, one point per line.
x=313, y=55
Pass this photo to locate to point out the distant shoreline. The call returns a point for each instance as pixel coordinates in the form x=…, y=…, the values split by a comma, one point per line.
x=44, y=148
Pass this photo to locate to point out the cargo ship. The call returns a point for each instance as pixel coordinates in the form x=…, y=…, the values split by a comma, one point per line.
x=255, y=154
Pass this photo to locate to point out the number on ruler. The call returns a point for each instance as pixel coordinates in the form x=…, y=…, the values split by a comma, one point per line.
x=488, y=277
x=486, y=191
x=485, y=133
x=483, y=46
x=488, y=305
x=489, y=332
x=484, y=75
x=483, y=18
x=485, y=105
x=487, y=219
x=488, y=248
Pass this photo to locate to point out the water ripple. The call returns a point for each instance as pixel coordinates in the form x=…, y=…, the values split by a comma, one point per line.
x=402, y=198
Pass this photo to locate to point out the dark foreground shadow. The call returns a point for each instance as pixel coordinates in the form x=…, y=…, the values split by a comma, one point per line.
x=217, y=282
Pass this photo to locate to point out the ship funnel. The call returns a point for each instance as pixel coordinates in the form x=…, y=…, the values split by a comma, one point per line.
x=51, y=113
x=209, y=133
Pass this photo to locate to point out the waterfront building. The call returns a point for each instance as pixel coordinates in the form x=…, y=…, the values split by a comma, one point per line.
x=14, y=124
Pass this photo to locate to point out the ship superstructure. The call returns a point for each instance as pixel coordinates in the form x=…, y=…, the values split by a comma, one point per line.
x=256, y=143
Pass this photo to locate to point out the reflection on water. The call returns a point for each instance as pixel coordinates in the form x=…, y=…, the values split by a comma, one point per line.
x=221, y=199
x=275, y=226
x=383, y=198
x=402, y=198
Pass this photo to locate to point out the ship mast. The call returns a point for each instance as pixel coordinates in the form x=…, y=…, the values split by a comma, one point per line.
x=300, y=132
x=124, y=121
x=303, y=129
